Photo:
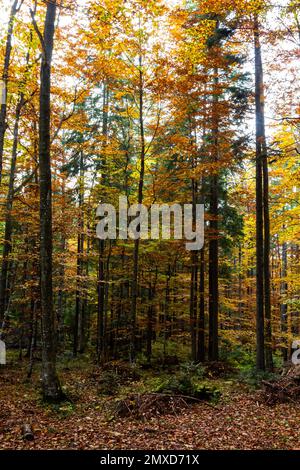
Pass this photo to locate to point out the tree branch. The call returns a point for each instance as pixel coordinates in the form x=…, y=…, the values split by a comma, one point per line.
x=36, y=28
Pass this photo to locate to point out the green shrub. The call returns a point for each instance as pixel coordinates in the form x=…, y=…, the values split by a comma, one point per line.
x=239, y=357
x=109, y=383
x=254, y=378
x=194, y=370
x=184, y=384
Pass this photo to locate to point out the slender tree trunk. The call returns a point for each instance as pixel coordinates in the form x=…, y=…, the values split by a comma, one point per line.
x=4, y=295
x=101, y=290
x=266, y=217
x=5, y=75
x=194, y=283
x=80, y=247
x=101, y=264
x=84, y=313
x=50, y=382
x=213, y=344
x=32, y=339
x=166, y=316
x=5, y=319
x=267, y=273
x=260, y=132
x=240, y=289
x=150, y=319
x=61, y=298
x=283, y=305
x=134, y=289
x=61, y=294
x=201, y=317
x=106, y=303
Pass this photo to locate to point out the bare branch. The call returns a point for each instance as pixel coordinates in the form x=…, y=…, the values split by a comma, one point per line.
x=36, y=28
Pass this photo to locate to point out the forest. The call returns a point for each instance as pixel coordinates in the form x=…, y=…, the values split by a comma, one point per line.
x=112, y=341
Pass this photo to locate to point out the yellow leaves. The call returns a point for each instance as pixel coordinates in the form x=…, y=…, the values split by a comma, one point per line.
x=240, y=7
x=119, y=95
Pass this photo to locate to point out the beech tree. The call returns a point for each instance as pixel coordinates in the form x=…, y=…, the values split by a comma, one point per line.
x=51, y=386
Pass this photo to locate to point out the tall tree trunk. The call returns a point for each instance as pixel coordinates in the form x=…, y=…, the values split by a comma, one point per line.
x=266, y=214
x=213, y=344
x=32, y=339
x=267, y=273
x=283, y=305
x=7, y=55
x=106, y=302
x=201, y=317
x=80, y=247
x=100, y=305
x=193, y=306
x=4, y=296
x=166, y=316
x=101, y=264
x=61, y=294
x=194, y=283
x=260, y=132
x=134, y=289
x=50, y=382
x=150, y=317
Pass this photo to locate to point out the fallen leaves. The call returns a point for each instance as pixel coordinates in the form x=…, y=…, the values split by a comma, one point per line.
x=242, y=421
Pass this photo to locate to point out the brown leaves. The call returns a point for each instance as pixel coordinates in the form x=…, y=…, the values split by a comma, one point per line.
x=242, y=421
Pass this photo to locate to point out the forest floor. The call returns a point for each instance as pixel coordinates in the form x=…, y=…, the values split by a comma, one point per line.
x=240, y=420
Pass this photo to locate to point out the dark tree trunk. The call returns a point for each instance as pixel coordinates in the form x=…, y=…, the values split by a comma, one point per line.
x=78, y=321
x=101, y=292
x=4, y=294
x=259, y=104
x=106, y=302
x=101, y=255
x=61, y=298
x=134, y=288
x=283, y=305
x=50, y=382
x=150, y=318
x=8, y=48
x=267, y=273
x=166, y=316
x=201, y=318
x=266, y=212
x=213, y=344
x=193, y=306
x=32, y=339
x=194, y=283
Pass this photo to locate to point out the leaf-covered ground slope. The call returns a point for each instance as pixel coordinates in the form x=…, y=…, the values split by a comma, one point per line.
x=241, y=420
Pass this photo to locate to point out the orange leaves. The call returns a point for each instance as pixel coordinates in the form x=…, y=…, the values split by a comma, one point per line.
x=223, y=7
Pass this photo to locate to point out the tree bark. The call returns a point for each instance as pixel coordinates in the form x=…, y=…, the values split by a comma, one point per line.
x=283, y=305
x=213, y=344
x=259, y=104
x=201, y=317
x=101, y=254
x=134, y=288
x=78, y=321
x=5, y=74
x=4, y=293
x=50, y=382
x=8, y=214
x=267, y=273
x=194, y=283
x=150, y=318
